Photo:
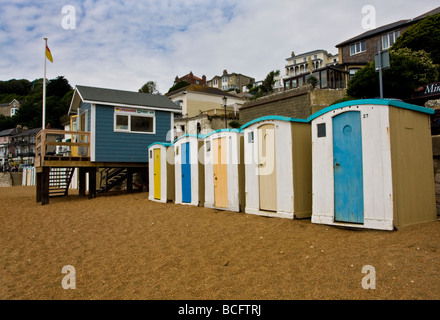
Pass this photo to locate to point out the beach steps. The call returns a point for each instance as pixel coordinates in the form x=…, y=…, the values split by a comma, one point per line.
x=111, y=178
x=59, y=181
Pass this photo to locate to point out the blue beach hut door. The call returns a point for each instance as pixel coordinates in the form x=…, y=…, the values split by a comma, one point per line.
x=347, y=164
x=186, y=173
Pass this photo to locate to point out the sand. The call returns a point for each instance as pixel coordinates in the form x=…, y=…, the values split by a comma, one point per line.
x=127, y=247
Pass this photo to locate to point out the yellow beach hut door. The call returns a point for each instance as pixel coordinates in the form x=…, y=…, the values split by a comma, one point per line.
x=157, y=182
x=220, y=173
x=266, y=168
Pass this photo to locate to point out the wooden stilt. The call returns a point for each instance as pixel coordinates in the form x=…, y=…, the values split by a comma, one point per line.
x=92, y=183
x=82, y=181
x=39, y=184
x=45, y=186
x=129, y=180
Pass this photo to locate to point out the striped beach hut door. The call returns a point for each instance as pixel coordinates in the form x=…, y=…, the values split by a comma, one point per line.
x=186, y=173
x=157, y=174
x=267, y=174
x=347, y=164
x=220, y=173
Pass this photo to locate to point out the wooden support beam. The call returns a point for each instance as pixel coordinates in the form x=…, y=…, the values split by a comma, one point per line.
x=39, y=182
x=45, y=186
x=82, y=181
x=92, y=183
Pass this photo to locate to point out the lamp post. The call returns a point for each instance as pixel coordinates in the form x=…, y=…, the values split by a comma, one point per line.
x=224, y=99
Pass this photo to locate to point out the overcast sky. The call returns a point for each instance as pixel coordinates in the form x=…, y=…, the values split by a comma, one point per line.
x=123, y=44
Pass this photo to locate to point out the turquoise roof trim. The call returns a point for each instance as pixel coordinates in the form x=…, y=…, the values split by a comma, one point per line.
x=198, y=136
x=281, y=118
x=222, y=130
x=382, y=102
x=160, y=143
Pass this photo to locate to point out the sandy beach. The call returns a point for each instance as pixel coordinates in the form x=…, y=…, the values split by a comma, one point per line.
x=127, y=247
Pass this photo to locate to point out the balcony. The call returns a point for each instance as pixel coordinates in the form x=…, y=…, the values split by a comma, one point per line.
x=61, y=148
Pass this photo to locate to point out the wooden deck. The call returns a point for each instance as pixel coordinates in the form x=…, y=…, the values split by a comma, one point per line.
x=71, y=149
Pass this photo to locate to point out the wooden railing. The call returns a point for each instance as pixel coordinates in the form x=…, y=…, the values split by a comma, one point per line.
x=53, y=145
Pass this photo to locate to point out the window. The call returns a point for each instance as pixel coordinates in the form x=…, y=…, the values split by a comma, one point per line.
x=251, y=137
x=388, y=39
x=358, y=47
x=352, y=72
x=321, y=130
x=13, y=111
x=134, y=120
x=225, y=79
x=315, y=56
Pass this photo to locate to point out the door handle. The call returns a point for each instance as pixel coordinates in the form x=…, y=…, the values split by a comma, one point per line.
x=336, y=164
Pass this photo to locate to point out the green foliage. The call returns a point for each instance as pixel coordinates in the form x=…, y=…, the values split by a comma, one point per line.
x=266, y=87
x=424, y=35
x=149, y=87
x=313, y=81
x=178, y=85
x=409, y=70
x=234, y=124
x=18, y=87
x=58, y=97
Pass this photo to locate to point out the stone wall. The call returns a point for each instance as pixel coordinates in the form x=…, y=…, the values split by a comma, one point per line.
x=436, y=158
x=295, y=103
x=5, y=179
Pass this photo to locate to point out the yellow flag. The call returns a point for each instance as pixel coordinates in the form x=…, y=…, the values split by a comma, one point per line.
x=48, y=54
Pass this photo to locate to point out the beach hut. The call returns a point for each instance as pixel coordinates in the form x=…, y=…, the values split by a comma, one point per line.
x=372, y=165
x=189, y=170
x=224, y=170
x=278, y=173
x=161, y=172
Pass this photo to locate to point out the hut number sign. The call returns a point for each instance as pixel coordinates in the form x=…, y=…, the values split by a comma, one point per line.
x=134, y=111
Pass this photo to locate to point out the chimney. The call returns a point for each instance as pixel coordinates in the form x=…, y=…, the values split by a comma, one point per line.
x=18, y=129
x=293, y=54
x=225, y=72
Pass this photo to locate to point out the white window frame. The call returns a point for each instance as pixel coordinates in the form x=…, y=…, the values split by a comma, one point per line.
x=138, y=112
x=395, y=34
x=356, y=51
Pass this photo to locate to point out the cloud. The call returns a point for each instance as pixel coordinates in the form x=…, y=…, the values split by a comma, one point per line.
x=122, y=45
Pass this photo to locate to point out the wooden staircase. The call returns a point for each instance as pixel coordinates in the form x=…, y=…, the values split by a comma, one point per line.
x=110, y=178
x=59, y=181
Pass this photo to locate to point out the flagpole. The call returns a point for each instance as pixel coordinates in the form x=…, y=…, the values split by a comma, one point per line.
x=44, y=86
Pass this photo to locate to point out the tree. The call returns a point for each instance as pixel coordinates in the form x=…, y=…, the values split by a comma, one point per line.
x=269, y=81
x=178, y=85
x=58, y=87
x=424, y=35
x=408, y=71
x=149, y=87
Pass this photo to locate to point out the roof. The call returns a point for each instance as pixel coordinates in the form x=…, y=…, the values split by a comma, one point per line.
x=164, y=144
x=201, y=89
x=379, y=30
x=28, y=132
x=388, y=27
x=380, y=102
x=7, y=132
x=121, y=98
x=272, y=117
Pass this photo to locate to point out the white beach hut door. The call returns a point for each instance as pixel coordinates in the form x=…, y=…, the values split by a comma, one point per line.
x=220, y=173
x=266, y=168
x=347, y=167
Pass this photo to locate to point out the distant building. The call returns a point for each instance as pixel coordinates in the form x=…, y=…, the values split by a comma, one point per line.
x=195, y=99
x=229, y=81
x=9, y=109
x=356, y=52
x=191, y=79
x=5, y=145
x=203, y=109
x=24, y=144
x=318, y=63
